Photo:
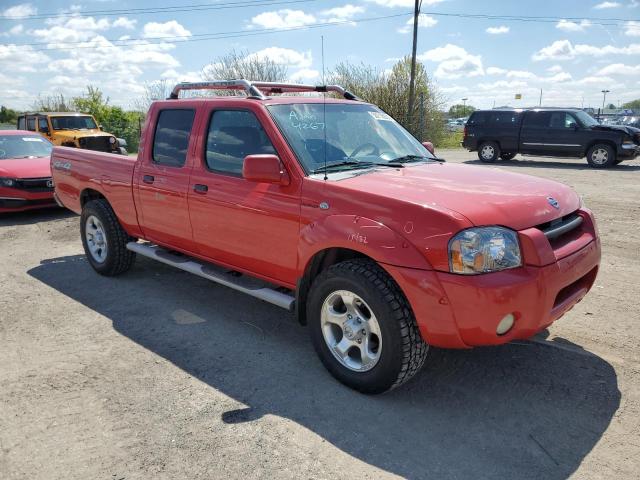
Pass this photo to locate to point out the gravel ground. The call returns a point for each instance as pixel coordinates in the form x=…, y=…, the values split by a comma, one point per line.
x=160, y=374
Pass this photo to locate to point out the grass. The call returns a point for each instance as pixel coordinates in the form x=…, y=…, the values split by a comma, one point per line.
x=450, y=140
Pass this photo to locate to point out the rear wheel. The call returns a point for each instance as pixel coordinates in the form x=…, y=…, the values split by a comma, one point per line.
x=362, y=327
x=601, y=155
x=488, y=152
x=104, y=240
x=508, y=156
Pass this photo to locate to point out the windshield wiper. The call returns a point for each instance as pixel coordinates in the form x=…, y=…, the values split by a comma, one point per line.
x=344, y=163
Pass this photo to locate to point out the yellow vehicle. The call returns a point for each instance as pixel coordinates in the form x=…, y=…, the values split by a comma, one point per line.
x=70, y=129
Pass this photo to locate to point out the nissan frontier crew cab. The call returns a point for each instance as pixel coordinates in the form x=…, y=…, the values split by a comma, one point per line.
x=328, y=208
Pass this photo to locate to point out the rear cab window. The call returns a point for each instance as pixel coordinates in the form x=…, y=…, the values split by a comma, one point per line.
x=171, y=138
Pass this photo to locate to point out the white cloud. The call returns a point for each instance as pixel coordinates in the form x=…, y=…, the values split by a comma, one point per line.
x=20, y=58
x=403, y=3
x=424, y=21
x=620, y=69
x=498, y=30
x=124, y=22
x=73, y=29
x=13, y=31
x=565, y=50
x=555, y=69
x=603, y=5
x=454, y=62
x=285, y=56
x=342, y=14
x=632, y=29
x=568, y=26
x=164, y=30
x=305, y=74
x=496, y=71
x=283, y=19
x=20, y=11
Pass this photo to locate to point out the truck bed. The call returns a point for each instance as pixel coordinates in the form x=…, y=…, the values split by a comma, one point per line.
x=79, y=172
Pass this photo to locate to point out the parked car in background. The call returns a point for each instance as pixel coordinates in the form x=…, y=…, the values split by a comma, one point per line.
x=456, y=124
x=25, y=173
x=503, y=133
x=330, y=208
x=70, y=129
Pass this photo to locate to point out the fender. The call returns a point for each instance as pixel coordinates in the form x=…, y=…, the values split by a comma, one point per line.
x=361, y=234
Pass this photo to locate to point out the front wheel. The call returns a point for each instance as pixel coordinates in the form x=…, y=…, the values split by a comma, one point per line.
x=489, y=152
x=104, y=240
x=362, y=327
x=601, y=155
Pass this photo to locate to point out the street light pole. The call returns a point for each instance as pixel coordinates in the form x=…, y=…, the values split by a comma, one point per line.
x=604, y=98
x=464, y=107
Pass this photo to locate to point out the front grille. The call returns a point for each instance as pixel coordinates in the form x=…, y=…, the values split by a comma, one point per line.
x=99, y=144
x=35, y=185
x=563, y=230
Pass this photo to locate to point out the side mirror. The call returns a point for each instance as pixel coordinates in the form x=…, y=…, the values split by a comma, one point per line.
x=429, y=146
x=264, y=169
x=45, y=131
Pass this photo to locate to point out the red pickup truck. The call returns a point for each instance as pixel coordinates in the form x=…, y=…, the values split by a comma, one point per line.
x=329, y=208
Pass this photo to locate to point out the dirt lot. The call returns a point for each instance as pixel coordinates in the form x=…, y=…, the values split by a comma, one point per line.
x=160, y=374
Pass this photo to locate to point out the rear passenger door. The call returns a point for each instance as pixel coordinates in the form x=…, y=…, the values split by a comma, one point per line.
x=162, y=179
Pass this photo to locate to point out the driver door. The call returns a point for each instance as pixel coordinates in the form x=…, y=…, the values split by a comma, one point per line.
x=245, y=225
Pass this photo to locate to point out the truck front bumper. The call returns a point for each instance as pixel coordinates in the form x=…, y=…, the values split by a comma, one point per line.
x=628, y=152
x=461, y=311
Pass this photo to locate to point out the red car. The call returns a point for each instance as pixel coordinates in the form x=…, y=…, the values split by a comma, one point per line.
x=25, y=171
x=331, y=209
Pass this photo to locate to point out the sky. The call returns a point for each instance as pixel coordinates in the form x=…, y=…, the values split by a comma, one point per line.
x=579, y=49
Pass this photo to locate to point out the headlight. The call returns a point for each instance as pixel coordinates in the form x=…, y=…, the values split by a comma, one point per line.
x=112, y=140
x=7, y=182
x=483, y=250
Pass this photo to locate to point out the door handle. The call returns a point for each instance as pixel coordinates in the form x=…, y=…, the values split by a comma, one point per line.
x=148, y=179
x=199, y=188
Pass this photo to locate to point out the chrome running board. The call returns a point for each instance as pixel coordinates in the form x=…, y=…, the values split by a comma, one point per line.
x=242, y=283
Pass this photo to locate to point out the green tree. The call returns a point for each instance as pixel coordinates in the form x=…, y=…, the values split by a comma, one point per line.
x=390, y=91
x=8, y=115
x=632, y=105
x=461, y=110
x=611, y=106
x=93, y=103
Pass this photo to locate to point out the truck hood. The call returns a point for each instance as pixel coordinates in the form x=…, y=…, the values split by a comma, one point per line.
x=25, y=167
x=74, y=134
x=632, y=131
x=485, y=196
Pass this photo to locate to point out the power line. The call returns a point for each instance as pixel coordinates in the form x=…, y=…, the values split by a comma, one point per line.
x=198, y=37
x=535, y=19
x=151, y=10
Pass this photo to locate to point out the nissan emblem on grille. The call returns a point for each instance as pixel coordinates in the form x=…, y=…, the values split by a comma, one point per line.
x=553, y=202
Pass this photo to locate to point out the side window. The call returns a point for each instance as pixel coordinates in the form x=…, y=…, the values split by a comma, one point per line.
x=43, y=126
x=537, y=119
x=171, y=140
x=22, y=124
x=234, y=134
x=478, y=118
x=561, y=120
x=504, y=119
x=31, y=124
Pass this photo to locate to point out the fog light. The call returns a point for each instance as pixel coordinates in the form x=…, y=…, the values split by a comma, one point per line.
x=505, y=324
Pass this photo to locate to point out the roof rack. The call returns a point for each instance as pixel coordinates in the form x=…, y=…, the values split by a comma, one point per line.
x=259, y=90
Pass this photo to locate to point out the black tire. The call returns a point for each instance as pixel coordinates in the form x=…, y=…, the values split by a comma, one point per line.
x=403, y=350
x=507, y=156
x=117, y=258
x=601, y=155
x=489, y=152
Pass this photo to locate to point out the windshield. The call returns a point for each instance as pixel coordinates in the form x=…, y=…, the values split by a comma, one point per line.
x=356, y=134
x=24, y=146
x=586, y=119
x=73, y=123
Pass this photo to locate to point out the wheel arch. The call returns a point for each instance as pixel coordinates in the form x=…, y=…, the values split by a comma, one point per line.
x=608, y=142
x=89, y=194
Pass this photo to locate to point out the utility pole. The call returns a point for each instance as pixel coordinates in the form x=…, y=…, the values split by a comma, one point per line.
x=540, y=104
x=604, y=98
x=412, y=79
x=464, y=107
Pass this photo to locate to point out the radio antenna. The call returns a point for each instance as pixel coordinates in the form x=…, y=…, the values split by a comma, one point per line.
x=324, y=110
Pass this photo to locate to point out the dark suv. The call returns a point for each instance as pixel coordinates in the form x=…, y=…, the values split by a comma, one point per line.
x=503, y=133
